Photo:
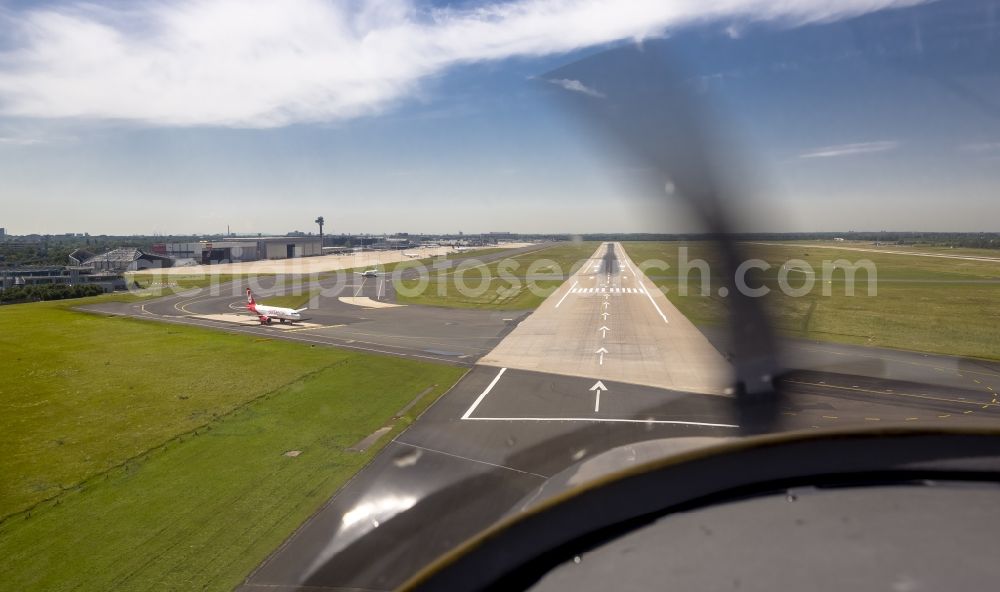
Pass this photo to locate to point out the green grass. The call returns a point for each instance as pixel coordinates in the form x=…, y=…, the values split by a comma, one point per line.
x=500, y=289
x=918, y=248
x=922, y=303
x=167, y=283
x=160, y=448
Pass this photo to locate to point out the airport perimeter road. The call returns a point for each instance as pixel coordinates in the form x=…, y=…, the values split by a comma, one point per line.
x=609, y=322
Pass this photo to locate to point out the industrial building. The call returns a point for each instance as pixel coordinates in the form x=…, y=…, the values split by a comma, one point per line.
x=125, y=259
x=233, y=250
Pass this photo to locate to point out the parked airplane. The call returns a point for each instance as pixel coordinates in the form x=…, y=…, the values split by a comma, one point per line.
x=266, y=313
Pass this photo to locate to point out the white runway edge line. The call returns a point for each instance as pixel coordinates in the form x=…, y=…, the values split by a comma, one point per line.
x=607, y=420
x=656, y=306
x=483, y=394
x=646, y=292
x=571, y=288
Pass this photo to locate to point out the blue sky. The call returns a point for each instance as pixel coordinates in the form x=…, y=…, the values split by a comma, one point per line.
x=400, y=116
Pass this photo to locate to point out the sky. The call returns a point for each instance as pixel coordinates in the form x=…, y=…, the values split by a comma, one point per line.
x=185, y=117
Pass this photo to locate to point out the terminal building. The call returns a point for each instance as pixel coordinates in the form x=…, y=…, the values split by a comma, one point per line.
x=70, y=275
x=233, y=250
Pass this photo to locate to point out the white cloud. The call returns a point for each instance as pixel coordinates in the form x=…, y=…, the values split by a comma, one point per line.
x=850, y=149
x=577, y=86
x=259, y=63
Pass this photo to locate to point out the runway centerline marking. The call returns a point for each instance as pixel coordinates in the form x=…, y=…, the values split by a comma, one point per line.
x=598, y=386
x=483, y=394
x=567, y=293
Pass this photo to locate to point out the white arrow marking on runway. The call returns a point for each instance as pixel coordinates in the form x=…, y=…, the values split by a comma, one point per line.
x=601, y=351
x=598, y=386
x=604, y=305
x=606, y=297
x=604, y=332
x=605, y=315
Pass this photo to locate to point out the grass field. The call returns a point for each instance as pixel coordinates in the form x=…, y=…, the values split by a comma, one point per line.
x=938, y=249
x=501, y=285
x=159, y=449
x=168, y=284
x=925, y=304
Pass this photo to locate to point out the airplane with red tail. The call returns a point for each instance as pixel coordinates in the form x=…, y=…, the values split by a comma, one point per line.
x=266, y=313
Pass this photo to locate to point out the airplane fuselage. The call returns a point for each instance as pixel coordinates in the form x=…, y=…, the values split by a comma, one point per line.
x=277, y=312
x=267, y=313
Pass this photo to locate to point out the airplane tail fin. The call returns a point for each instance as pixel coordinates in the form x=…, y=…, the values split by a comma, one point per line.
x=250, y=301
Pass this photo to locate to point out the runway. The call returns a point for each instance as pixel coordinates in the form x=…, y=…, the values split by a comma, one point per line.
x=487, y=445
x=609, y=322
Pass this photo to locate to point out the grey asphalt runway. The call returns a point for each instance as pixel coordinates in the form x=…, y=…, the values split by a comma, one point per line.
x=609, y=322
x=488, y=444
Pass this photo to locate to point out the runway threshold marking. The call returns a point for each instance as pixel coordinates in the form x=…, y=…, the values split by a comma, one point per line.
x=567, y=293
x=483, y=394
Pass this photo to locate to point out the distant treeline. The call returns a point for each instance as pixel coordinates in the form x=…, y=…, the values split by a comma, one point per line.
x=981, y=240
x=55, y=249
x=48, y=292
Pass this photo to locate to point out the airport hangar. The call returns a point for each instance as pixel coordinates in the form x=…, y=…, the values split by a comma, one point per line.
x=242, y=249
